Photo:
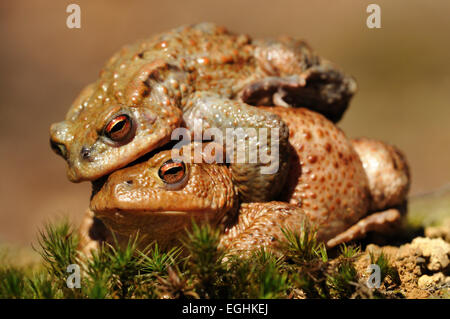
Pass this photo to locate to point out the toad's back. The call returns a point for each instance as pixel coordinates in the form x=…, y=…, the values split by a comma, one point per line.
x=213, y=58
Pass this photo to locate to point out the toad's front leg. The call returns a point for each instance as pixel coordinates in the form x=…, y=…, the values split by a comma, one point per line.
x=92, y=233
x=256, y=142
x=263, y=225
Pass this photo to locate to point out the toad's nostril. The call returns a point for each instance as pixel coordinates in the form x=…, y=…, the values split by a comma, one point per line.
x=85, y=153
x=59, y=148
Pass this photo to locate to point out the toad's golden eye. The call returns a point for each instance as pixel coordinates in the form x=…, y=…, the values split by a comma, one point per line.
x=119, y=128
x=172, y=172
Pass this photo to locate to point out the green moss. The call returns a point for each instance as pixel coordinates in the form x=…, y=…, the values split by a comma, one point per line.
x=386, y=269
x=208, y=271
x=301, y=246
x=58, y=247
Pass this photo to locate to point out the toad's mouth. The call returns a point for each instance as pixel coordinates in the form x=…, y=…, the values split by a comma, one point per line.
x=155, y=213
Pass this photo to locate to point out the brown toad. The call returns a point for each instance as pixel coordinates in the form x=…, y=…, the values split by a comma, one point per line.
x=160, y=197
x=345, y=188
x=196, y=74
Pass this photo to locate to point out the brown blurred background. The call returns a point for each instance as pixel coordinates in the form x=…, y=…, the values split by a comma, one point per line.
x=403, y=71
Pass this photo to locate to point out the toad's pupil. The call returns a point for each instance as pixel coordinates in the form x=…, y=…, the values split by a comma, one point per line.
x=172, y=172
x=117, y=126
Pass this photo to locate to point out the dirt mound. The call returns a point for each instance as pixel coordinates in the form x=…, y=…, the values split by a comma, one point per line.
x=423, y=267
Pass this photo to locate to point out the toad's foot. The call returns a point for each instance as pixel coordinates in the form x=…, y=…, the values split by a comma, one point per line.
x=379, y=222
x=298, y=77
x=319, y=89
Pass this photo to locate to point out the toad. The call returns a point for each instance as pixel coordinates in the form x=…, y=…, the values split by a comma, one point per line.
x=160, y=197
x=200, y=74
x=343, y=187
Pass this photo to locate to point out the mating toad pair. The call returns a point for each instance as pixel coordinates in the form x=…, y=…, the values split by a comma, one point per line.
x=117, y=134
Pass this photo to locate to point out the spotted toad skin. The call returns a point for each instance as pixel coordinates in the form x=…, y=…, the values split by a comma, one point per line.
x=338, y=181
x=327, y=178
